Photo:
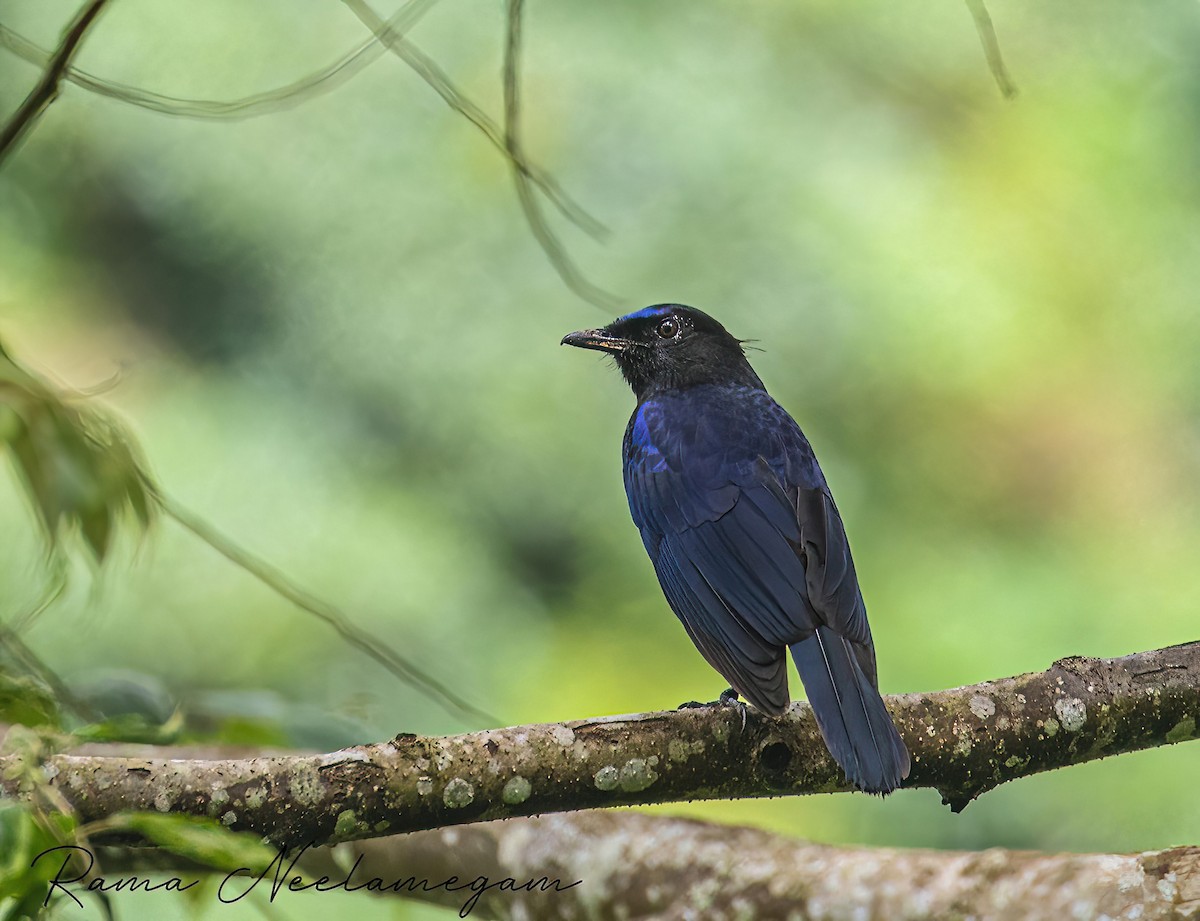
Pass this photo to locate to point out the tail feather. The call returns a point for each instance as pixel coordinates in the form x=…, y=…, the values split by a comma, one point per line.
x=850, y=713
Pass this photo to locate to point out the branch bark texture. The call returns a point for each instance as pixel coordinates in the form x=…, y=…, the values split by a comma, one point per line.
x=964, y=741
x=634, y=866
x=609, y=866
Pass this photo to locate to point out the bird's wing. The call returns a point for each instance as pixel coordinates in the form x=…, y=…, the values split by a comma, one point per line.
x=737, y=555
x=830, y=579
x=752, y=556
x=752, y=666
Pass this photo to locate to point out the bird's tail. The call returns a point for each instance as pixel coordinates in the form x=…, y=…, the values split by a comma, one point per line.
x=850, y=713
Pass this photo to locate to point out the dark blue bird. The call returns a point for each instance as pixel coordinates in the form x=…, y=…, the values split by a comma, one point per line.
x=743, y=532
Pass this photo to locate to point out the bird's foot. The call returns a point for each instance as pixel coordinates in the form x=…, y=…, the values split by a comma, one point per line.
x=728, y=698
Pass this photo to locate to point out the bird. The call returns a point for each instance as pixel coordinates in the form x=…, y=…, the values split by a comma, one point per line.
x=745, y=538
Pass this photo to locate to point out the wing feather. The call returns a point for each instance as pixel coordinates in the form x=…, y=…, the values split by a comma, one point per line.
x=753, y=558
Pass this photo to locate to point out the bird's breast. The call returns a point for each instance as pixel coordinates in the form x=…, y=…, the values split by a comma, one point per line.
x=708, y=437
x=647, y=440
x=679, y=430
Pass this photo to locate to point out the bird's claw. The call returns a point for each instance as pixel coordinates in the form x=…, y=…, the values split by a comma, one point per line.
x=729, y=698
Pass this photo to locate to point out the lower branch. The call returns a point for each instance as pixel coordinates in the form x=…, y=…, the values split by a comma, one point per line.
x=631, y=866
x=964, y=742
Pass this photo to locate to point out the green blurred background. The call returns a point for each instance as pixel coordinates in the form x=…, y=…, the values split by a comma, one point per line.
x=337, y=340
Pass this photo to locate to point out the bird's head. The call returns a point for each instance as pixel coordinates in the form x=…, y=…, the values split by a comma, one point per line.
x=669, y=347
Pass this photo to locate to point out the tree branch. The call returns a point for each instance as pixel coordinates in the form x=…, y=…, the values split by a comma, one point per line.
x=403, y=667
x=322, y=81
x=46, y=89
x=437, y=79
x=964, y=742
x=570, y=274
x=633, y=866
x=991, y=48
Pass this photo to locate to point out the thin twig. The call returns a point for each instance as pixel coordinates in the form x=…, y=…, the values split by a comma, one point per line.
x=389, y=33
x=46, y=89
x=360, y=639
x=441, y=83
x=322, y=81
x=56, y=585
x=26, y=658
x=991, y=48
x=109, y=446
x=553, y=248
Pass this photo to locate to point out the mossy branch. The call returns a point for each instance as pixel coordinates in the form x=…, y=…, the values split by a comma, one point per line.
x=636, y=866
x=964, y=741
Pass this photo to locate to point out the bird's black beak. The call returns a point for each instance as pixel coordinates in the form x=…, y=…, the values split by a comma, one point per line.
x=598, y=339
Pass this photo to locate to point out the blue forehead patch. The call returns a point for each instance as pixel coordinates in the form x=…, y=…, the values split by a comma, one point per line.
x=649, y=313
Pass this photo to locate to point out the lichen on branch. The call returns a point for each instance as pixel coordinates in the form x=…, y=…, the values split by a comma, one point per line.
x=964, y=741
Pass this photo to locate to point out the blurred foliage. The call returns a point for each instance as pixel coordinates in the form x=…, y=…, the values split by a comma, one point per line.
x=204, y=841
x=25, y=700
x=79, y=469
x=79, y=480
x=40, y=822
x=24, y=881
x=338, y=339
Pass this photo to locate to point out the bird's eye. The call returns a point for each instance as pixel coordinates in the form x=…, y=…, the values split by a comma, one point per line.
x=668, y=328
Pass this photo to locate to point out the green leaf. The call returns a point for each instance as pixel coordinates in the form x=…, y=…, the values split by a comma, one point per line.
x=261, y=733
x=27, y=744
x=28, y=906
x=10, y=424
x=23, y=879
x=27, y=701
x=80, y=469
x=133, y=727
x=202, y=840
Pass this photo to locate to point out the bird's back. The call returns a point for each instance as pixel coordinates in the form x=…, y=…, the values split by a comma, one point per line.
x=752, y=556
